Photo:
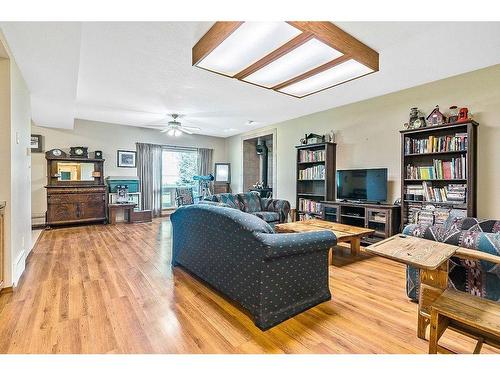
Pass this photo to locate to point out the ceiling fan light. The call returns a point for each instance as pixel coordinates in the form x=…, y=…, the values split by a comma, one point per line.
x=177, y=133
x=308, y=56
x=171, y=132
x=338, y=74
x=247, y=44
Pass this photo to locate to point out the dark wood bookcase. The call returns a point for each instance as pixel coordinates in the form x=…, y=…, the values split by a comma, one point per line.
x=316, y=189
x=425, y=158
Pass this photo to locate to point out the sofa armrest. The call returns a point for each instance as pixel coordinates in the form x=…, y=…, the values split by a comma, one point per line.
x=281, y=206
x=290, y=244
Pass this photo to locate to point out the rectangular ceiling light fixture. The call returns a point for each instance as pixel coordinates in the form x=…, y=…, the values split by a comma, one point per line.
x=309, y=55
x=296, y=58
x=247, y=44
x=334, y=76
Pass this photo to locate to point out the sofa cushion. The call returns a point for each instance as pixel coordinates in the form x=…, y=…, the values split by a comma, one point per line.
x=267, y=216
x=229, y=199
x=250, y=202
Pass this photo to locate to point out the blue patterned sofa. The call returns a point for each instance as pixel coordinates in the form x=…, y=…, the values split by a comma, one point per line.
x=273, y=276
x=270, y=210
x=480, y=278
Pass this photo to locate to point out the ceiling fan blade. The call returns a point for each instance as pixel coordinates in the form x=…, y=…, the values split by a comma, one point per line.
x=182, y=129
x=164, y=130
x=162, y=124
x=191, y=127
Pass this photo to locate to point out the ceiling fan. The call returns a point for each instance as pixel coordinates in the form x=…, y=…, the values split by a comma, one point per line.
x=174, y=127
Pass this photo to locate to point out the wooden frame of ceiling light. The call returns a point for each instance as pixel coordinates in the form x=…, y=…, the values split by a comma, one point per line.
x=326, y=32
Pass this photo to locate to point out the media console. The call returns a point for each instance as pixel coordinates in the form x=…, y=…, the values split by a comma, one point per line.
x=385, y=219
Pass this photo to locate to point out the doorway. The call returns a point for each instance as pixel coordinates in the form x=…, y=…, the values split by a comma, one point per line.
x=258, y=162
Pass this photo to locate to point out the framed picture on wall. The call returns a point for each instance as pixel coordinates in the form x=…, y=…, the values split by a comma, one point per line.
x=223, y=172
x=36, y=143
x=126, y=159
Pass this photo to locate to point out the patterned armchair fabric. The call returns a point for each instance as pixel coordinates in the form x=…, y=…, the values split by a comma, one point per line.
x=250, y=202
x=230, y=199
x=270, y=210
x=184, y=196
x=476, y=277
x=273, y=276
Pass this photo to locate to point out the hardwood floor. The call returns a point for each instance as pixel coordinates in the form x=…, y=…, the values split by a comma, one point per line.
x=110, y=289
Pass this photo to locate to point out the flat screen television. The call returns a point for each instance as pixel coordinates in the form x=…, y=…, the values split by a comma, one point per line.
x=368, y=185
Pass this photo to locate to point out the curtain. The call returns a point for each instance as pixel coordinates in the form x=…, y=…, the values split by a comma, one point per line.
x=149, y=158
x=205, y=165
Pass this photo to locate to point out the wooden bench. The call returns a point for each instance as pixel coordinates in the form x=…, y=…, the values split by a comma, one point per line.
x=469, y=315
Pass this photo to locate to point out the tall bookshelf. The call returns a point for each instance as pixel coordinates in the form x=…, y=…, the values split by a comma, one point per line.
x=443, y=161
x=315, y=178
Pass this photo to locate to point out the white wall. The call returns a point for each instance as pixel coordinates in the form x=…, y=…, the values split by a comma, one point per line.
x=20, y=172
x=5, y=160
x=107, y=138
x=368, y=134
x=15, y=127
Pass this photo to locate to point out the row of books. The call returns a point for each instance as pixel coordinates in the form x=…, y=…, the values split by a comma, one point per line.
x=308, y=205
x=306, y=155
x=304, y=216
x=440, y=170
x=312, y=173
x=457, y=142
x=430, y=215
x=452, y=193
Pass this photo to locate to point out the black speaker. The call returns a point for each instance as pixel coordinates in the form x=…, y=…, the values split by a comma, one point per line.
x=97, y=154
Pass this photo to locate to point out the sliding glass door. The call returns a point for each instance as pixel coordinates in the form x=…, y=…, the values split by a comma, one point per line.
x=178, y=168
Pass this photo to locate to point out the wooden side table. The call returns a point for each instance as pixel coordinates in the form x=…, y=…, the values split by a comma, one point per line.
x=128, y=208
x=430, y=257
x=469, y=315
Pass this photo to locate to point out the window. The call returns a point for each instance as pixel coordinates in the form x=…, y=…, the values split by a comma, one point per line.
x=178, y=168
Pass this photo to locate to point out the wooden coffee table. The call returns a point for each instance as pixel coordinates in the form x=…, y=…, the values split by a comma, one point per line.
x=430, y=257
x=343, y=232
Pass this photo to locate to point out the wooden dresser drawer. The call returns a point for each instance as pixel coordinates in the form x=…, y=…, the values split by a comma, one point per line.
x=75, y=198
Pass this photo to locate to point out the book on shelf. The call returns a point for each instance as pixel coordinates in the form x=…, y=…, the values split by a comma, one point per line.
x=311, y=156
x=454, y=169
x=310, y=206
x=446, y=143
x=312, y=173
x=451, y=193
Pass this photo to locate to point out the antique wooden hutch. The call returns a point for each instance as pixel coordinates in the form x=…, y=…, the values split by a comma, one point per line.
x=75, y=190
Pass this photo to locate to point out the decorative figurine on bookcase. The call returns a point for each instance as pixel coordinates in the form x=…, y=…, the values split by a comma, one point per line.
x=436, y=117
x=416, y=119
x=453, y=116
x=312, y=139
x=463, y=115
x=330, y=137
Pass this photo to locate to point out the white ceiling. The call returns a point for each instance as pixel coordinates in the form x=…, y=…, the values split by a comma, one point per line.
x=134, y=73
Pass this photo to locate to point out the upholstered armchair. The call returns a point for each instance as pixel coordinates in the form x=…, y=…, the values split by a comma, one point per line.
x=480, y=278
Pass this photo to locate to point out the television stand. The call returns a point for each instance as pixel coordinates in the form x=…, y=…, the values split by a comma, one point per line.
x=383, y=218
